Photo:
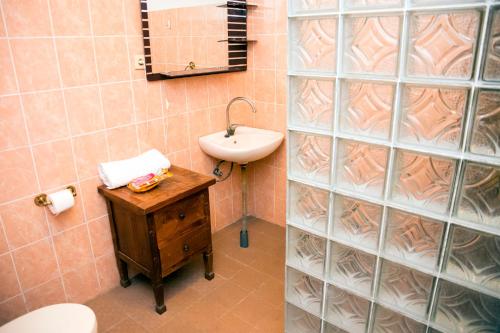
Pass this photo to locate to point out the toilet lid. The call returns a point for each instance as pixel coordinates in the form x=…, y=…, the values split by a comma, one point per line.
x=67, y=318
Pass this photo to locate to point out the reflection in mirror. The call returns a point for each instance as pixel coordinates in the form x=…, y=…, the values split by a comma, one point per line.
x=190, y=37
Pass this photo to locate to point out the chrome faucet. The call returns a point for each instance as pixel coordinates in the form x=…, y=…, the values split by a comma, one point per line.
x=231, y=128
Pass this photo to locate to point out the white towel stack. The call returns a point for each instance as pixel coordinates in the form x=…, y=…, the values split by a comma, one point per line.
x=119, y=173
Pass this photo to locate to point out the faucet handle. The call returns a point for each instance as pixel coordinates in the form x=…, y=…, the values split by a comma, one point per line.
x=232, y=128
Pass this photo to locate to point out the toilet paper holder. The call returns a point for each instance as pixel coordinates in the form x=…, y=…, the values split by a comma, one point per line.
x=41, y=200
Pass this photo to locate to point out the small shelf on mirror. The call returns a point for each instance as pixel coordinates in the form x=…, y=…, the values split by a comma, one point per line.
x=198, y=72
x=237, y=40
x=232, y=4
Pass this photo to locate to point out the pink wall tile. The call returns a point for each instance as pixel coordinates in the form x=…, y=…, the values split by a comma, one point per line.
x=11, y=123
x=68, y=218
x=35, y=64
x=218, y=91
x=265, y=85
x=35, y=264
x=27, y=17
x=107, y=272
x=152, y=135
x=94, y=204
x=81, y=285
x=13, y=164
x=264, y=52
x=100, y=236
x=107, y=17
x=223, y=213
x=7, y=79
x=76, y=61
x=42, y=124
x=9, y=286
x=11, y=309
x=46, y=294
x=133, y=18
x=112, y=59
x=73, y=248
x=70, y=18
x=117, y=104
x=24, y=222
x=123, y=143
x=175, y=96
x=180, y=158
x=54, y=163
x=197, y=93
x=177, y=133
x=3, y=33
x=90, y=150
x=147, y=100
x=84, y=109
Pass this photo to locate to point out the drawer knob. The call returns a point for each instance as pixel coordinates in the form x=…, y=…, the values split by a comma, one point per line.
x=182, y=215
x=186, y=248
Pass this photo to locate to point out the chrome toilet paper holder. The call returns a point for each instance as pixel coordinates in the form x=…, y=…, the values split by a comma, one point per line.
x=41, y=200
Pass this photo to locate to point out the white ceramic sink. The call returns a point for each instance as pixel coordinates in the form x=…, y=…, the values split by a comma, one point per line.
x=248, y=144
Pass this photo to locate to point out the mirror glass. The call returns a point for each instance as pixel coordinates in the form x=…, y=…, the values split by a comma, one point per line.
x=187, y=35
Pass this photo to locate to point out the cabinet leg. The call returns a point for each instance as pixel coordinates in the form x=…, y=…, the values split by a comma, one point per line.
x=208, y=260
x=123, y=270
x=159, y=298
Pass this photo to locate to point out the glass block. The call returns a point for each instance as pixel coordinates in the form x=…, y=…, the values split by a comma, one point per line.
x=314, y=42
x=306, y=251
x=371, y=4
x=387, y=321
x=361, y=167
x=312, y=102
x=491, y=71
x=308, y=206
x=479, y=194
x=405, y=288
x=304, y=290
x=346, y=310
x=299, y=321
x=351, y=268
x=432, y=117
x=486, y=129
x=313, y=5
x=423, y=181
x=474, y=257
x=357, y=221
x=460, y=309
x=329, y=328
x=366, y=108
x=371, y=44
x=413, y=238
x=441, y=2
x=310, y=156
x=442, y=44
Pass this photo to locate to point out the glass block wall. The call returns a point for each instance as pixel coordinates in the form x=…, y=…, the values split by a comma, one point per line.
x=393, y=221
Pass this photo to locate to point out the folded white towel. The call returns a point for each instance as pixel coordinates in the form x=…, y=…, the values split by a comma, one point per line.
x=119, y=173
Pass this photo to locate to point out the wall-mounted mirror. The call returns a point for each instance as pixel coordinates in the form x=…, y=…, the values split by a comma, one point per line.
x=193, y=37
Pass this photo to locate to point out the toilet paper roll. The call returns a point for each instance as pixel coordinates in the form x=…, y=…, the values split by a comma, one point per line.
x=61, y=201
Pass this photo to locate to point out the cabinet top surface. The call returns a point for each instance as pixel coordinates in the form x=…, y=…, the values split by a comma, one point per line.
x=182, y=184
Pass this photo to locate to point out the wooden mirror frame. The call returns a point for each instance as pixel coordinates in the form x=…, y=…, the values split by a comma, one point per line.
x=237, y=43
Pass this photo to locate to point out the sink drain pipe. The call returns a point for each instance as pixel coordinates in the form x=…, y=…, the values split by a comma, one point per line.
x=244, y=195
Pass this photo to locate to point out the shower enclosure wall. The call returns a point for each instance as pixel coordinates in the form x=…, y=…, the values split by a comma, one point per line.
x=393, y=221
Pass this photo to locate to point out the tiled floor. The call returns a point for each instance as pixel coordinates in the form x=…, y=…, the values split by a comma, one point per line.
x=246, y=294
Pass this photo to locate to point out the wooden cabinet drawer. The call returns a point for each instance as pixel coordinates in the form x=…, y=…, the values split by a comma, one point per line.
x=181, y=217
x=183, y=247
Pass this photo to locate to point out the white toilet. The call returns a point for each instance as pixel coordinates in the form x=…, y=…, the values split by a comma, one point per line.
x=57, y=318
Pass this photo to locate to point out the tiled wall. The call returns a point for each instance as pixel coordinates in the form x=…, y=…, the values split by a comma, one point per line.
x=69, y=98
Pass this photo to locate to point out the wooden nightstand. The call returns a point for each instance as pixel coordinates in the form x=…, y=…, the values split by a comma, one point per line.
x=158, y=231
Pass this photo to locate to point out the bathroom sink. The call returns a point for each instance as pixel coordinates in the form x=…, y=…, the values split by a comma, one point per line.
x=248, y=144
